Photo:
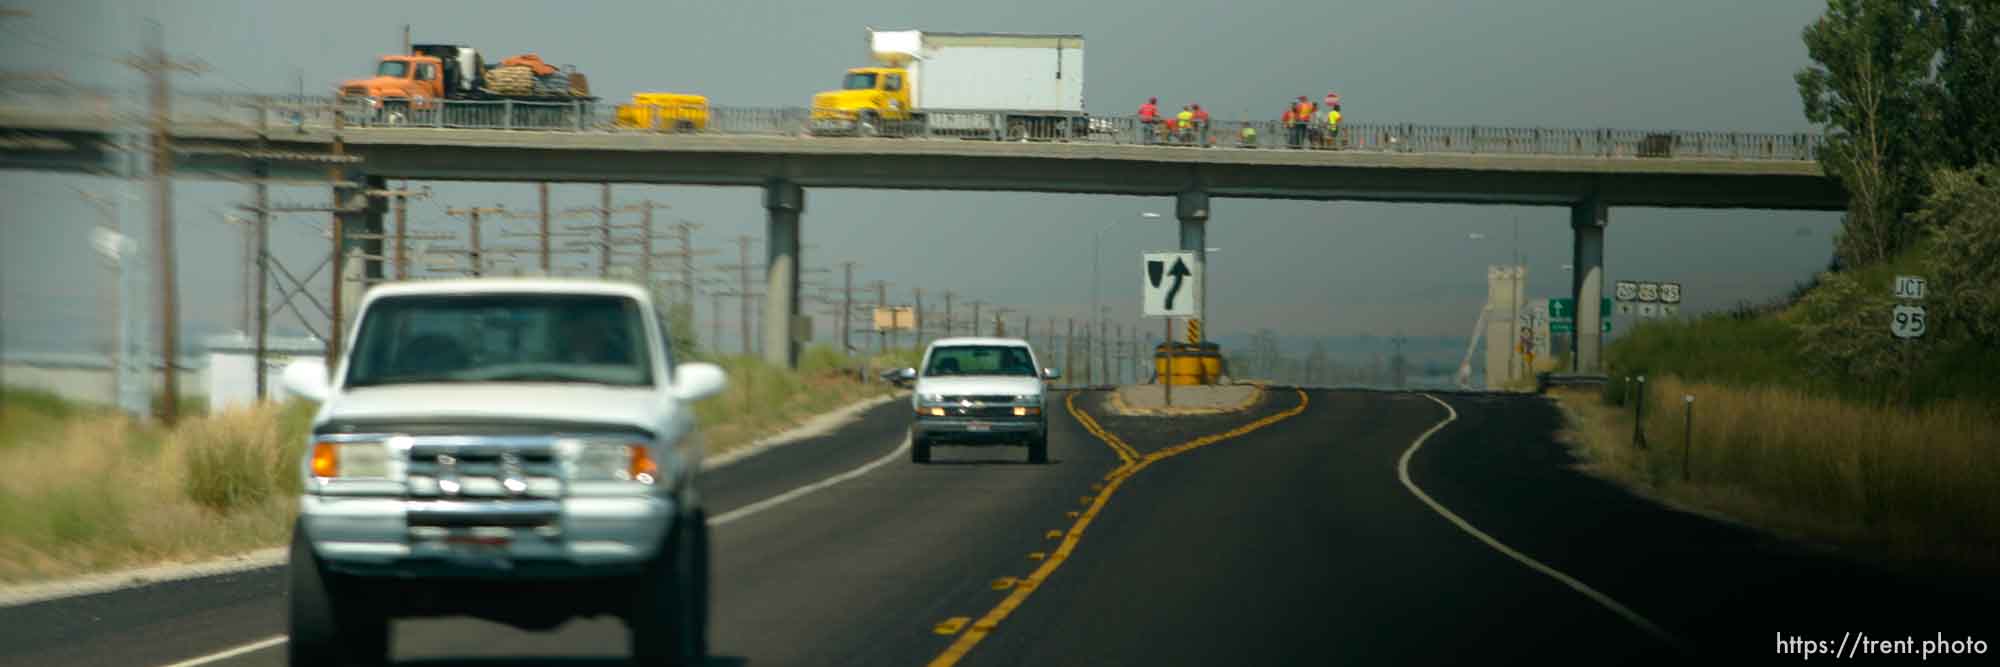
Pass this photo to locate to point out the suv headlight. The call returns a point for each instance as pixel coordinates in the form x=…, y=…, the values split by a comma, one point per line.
x=348, y=460
x=598, y=461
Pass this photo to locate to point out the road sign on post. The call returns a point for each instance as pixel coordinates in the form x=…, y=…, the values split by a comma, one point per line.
x=1908, y=320
x=1910, y=287
x=1171, y=285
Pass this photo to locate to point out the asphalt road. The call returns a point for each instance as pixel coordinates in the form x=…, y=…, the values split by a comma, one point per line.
x=1283, y=535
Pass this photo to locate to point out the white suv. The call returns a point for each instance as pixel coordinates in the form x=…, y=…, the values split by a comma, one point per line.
x=979, y=391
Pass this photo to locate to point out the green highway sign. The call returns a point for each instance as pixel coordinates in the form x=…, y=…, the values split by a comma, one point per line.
x=1562, y=315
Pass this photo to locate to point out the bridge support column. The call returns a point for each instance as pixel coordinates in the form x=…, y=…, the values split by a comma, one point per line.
x=1587, y=221
x=1192, y=209
x=784, y=201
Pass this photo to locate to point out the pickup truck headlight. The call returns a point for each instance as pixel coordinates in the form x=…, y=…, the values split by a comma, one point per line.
x=1030, y=399
x=608, y=461
x=931, y=398
x=350, y=460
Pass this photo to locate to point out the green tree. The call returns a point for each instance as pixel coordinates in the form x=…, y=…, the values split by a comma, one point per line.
x=1963, y=216
x=1871, y=84
x=1968, y=81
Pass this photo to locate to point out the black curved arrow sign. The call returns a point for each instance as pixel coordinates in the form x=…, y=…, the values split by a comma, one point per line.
x=1180, y=272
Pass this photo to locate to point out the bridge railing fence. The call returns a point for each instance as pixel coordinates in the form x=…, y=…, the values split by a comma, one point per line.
x=319, y=111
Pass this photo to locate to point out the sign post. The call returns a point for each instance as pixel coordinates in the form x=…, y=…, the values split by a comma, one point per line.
x=1170, y=287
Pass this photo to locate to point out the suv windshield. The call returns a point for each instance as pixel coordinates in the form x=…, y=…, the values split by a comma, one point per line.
x=860, y=81
x=502, y=338
x=395, y=68
x=980, y=360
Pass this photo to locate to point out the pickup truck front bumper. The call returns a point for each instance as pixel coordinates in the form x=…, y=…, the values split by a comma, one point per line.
x=979, y=431
x=425, y=538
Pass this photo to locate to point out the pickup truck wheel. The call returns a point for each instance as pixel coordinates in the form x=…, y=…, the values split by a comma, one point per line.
x=920, y=450
x=666, y=615
x=1038, y=449
x=330, y=625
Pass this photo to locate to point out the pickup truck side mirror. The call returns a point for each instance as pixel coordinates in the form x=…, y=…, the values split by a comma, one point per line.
x=306, y=378
x=907, y=374
x=696, y=380
x=1051, y=374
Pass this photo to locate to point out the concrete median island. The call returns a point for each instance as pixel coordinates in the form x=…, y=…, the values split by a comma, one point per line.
x=1150, y=399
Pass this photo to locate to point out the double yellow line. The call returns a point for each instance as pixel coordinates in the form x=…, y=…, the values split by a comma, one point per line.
x=1126, y=453
x=1132, y=463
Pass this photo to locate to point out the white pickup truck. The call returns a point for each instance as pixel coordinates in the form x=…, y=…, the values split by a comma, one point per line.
x=979, y=391
x=522, y=451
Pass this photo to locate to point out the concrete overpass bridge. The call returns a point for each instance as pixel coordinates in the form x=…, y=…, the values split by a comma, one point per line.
x=1590, y=171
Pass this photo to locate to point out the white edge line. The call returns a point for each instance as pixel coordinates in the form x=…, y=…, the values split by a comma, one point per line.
x=1403, y=473
x=728, y=517
x=717, y=520
x=251, y=647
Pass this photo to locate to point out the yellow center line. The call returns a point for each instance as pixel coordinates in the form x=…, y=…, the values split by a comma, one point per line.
x=1133, y=464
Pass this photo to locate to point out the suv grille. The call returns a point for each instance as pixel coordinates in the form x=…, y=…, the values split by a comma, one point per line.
x=1004, y=400
x=469, y=469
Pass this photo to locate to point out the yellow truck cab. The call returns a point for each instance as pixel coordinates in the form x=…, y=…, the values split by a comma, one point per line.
x=867, y=96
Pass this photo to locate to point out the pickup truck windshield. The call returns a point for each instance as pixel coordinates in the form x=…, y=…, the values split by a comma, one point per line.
x=502, y=338
x=860, y=81
x=980, y=360
x=393, y=68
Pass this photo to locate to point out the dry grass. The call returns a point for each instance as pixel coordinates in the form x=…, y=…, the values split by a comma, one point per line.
x=763, y=400
x=87, y=490
x=1914, y=487
x=94, y=491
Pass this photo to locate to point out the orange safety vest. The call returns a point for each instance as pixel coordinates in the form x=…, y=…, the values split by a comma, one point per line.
x=1302, y=111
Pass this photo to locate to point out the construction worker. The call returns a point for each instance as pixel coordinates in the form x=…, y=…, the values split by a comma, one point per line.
x=1248, y=137
x=1287, y=121
x=1186, y=118
x=1333, y=126
x=1149, y=117
x=1201, y=124
x=1302, y=117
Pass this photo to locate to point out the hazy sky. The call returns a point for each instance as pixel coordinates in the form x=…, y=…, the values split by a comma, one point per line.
x=1301, y=267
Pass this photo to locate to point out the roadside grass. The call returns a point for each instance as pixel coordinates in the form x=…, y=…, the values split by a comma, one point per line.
x=88, y=490
x=91, y=490
x=1914, y=488
x=763, y=400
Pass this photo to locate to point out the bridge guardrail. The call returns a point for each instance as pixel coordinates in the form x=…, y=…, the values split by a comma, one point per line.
x=318, y=111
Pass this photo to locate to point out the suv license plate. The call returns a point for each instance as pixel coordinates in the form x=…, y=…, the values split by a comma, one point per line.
x=978, y=427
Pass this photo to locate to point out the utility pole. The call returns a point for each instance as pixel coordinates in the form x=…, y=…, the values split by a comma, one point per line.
x=473, y=249
x=159, y=70
x=1118, y=336
x=1000, y=320
x=975, y=315
x=743, y=287
x=917, y=315
x=949, y=327
x=1069, y=352
x=847, y=307
x=542, y=218
x=604, y=231
x=715, y=320
x=881, y=301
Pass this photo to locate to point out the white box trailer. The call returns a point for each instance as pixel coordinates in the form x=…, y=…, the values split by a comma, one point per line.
x=981, y=71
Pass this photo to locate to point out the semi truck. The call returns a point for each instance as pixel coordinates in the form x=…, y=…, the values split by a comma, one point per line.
x=960, y=83
x=408, y=86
